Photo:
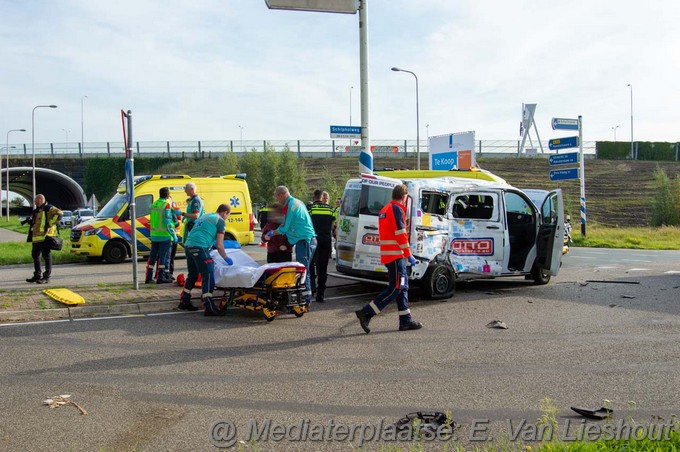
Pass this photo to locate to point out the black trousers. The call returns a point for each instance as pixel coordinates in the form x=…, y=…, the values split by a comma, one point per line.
x=39, y=249
x=318, y=270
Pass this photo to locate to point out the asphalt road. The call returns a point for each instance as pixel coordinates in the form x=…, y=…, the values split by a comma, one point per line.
x=160, y=382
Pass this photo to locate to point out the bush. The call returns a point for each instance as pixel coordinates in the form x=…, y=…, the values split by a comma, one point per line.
x=666, y=200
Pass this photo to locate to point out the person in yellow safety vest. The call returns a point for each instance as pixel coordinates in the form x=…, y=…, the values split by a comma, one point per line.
x=394, y=252
x=162, y=237
x=177, y=221
x=43, y=223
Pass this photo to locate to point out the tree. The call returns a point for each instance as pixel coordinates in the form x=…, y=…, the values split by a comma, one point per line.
x=664, y=203
x=292, y=174
x=250, y=163
x=228, y=163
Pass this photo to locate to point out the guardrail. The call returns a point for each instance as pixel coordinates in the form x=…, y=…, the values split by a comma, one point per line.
x=335, y=148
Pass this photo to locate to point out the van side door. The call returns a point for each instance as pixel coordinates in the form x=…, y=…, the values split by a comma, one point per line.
x=477, y=233
x=551, y=233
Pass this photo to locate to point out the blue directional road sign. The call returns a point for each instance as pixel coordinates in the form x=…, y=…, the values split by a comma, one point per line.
x=563, y=143
x=563, y=159
x=345, y=131
x=564, y=174
x=564, y=124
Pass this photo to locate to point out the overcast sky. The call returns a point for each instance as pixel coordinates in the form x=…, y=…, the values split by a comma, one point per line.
x=199, y=69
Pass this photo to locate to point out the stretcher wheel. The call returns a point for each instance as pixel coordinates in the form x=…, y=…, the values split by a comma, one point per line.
x=298, y=314
x=269, y=315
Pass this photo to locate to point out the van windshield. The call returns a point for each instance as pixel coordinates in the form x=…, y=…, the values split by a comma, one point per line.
x=113, y=206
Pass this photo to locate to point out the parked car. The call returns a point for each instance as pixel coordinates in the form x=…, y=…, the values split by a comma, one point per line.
x=66, y=219
x=82, y=215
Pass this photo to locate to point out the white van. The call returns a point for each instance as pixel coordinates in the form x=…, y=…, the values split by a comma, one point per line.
x=459, y=229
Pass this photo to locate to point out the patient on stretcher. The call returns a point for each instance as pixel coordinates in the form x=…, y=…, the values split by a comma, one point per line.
x=245, y=272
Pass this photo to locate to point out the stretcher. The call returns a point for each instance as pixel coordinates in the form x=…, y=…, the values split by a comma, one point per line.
x=273, y=289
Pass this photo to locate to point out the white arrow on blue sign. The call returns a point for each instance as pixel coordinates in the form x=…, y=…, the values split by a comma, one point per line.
x=345, y=131
x=564, y=124
x=563, y=159
x=563, y=143
x=564, y=174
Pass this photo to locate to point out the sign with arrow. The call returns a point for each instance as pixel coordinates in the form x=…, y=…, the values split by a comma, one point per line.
x=564, y=124
x=563, y=159
x=563, y=174
x=563, y=143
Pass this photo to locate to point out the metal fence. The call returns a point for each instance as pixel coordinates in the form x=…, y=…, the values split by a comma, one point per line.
x=309, y=148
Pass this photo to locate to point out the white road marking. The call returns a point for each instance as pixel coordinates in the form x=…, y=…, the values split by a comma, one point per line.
x=608, y=267
x=638, y=270
x=672, y=272
x=582, y=257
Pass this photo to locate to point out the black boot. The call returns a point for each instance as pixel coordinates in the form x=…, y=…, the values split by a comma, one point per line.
x=210, y=310
x=35, y=279
x=364, y=320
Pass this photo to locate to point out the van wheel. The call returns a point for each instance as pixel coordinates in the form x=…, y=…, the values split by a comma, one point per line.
x=440, y=282
x=539, y=276
x=114, y=252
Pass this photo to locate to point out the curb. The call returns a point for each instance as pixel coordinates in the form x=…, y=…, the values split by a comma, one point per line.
x=70, y=313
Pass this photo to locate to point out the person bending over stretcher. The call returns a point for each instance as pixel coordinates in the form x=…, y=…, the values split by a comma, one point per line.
x=208, y=229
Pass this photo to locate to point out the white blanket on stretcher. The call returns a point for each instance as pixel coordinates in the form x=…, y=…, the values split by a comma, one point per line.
x=245, y=272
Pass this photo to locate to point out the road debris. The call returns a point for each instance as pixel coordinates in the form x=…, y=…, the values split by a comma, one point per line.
x=612, y=282
x=601, y=413
x=61, y=400
x=497, y=324
x=628, y=296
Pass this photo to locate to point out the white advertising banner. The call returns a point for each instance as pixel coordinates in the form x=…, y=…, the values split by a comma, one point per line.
x=452, y=151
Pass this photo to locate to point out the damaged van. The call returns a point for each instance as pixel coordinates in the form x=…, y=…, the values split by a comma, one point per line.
x=459, y=228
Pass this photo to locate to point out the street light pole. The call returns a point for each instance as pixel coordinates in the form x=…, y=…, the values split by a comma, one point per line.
x=7, y=168
x=241, y=127
x=632, y=155
x=33, y=143
x=82, y=127
x=614, y=129
x=396, y=69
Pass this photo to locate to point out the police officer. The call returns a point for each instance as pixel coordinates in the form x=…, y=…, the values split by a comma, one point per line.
x=322, y=219
x=162, y=237
x=209, y=228
x=394, y=252
x=43, y=223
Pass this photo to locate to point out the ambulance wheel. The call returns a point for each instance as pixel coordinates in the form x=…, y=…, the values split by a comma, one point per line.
x=539, y=276
x=114, y=252
x=440, y=282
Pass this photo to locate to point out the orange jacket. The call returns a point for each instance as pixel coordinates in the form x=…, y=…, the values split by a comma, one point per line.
x=393, y=235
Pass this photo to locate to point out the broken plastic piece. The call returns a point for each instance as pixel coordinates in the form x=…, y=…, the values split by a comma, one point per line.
x=497, y=324
x=601, y=413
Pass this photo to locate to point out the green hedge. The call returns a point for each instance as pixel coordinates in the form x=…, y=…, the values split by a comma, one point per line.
x=646, y=150
x=102, y=175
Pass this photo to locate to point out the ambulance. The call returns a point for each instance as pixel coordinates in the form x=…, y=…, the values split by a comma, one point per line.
x=462, y=225
x=108, y=235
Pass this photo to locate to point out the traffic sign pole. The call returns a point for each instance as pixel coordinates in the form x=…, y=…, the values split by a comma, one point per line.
x=582, y=177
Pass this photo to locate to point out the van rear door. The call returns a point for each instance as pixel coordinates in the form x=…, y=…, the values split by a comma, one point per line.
x=551, y=233
x=376, y=193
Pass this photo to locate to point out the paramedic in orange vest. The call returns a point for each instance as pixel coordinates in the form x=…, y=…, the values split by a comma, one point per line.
x=394, y=252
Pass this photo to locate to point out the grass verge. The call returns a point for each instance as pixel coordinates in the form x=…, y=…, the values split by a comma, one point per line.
x=663, y=238
x=20, y=252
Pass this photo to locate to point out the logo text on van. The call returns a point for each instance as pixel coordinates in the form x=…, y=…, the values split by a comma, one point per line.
x=370, y=239
x=472, y=247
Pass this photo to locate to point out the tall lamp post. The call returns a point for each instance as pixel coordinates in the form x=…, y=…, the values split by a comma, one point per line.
x=7, y=168
x=632, y=155
x=33, y=142
x=241, y=127
x=396, y=69
x=347, y=7
x=614, y=129
x=82, y=127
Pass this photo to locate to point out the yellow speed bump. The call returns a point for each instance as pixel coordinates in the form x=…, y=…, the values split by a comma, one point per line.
x=65, y=296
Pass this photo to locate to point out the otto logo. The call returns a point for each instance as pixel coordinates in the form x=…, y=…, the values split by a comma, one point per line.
x=472, y=247
x=370, y=239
